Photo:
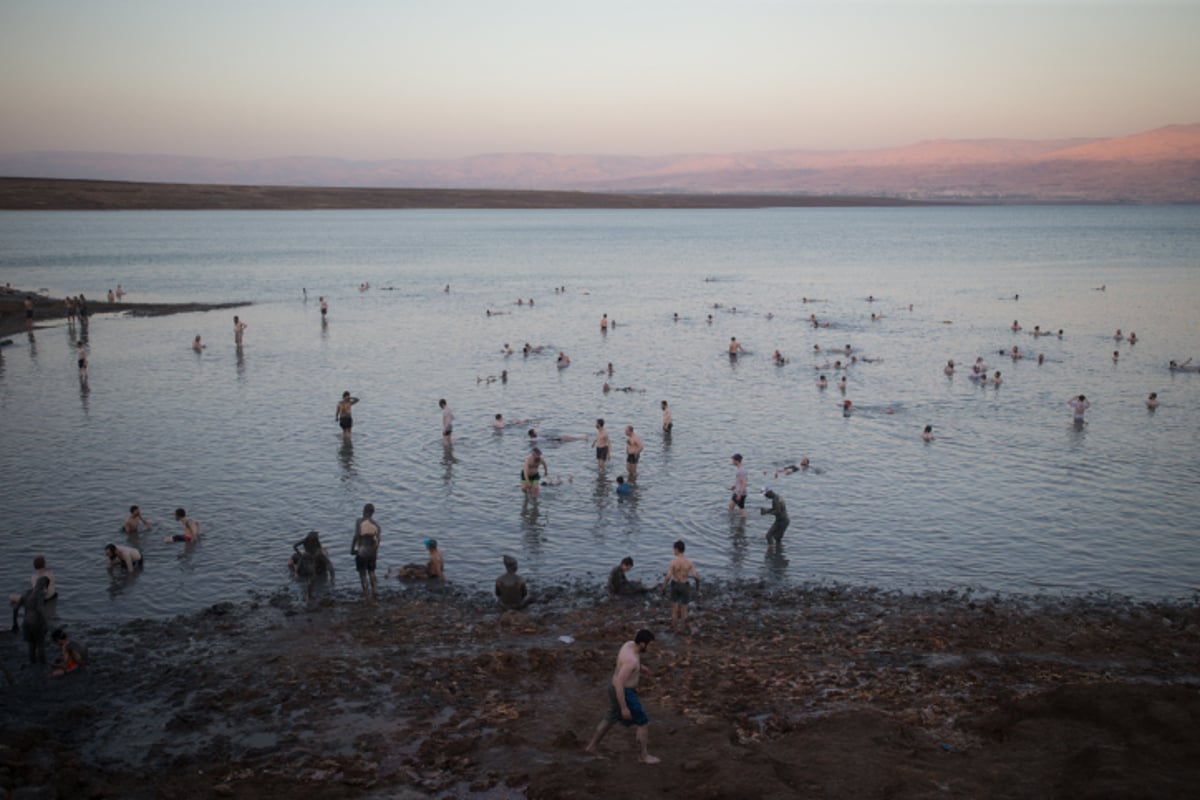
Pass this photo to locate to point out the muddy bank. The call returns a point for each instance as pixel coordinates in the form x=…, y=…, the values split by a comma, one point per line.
x=46, y=309
x=806, y=692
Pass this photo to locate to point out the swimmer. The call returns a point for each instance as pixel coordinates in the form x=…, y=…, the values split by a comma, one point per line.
x=1132, y=337
x=790, y=468
x=623, y=489
x=735, y=347
x=1016, y=353
x=949, y=368
x=1016, y=326
x=604, y=324
x=309, y=562
x=841, y=384
x=196, y=345
x=675, y=582
x=996, y=380
x=1184, y=366
x=532, y=470
x=498, y=424
x=506, y=350
x=778, y=358
x=668, y=422
x=1152, y=401
x=365, y=549
x=324, y=308
x=927, y=434
x=847, y=408
x=563, y=361
x=191, y=528
x=1116, y=356
x=741, y=477
x=1041, y=359
x=1118, y=337
x=128, y=557
x=135, y=522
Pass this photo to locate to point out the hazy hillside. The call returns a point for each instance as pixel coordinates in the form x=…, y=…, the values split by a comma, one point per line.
x=1159, y=166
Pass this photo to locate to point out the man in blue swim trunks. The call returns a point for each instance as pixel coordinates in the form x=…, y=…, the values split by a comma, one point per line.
x=623, y=703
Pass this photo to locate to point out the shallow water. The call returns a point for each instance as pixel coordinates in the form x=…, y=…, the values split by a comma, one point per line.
x=1010, y=497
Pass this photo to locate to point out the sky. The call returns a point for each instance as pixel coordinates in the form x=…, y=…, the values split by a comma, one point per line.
x=430, y=79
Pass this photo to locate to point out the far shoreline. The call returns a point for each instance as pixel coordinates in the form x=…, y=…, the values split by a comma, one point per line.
x=54, y=309
x=52, y=194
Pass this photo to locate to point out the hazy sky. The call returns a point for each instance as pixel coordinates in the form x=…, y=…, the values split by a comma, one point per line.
x=369, y=79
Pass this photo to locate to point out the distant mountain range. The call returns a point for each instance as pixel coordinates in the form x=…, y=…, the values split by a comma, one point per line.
x=1159, y=166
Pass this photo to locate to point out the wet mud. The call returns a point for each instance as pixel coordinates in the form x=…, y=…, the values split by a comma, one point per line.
x=810, y=692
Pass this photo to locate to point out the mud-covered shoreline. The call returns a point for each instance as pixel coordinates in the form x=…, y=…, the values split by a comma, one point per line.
x=812, y=691
x=52, y=309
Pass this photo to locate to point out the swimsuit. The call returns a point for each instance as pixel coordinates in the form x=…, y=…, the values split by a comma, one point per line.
x=739, y=500
x=347, y=422
x=534, y=478
x=632, y=458
x=632, y=702
x=681, y=592
x=602, y=454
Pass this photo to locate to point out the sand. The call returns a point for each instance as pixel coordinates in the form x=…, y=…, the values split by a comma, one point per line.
x=805, y=692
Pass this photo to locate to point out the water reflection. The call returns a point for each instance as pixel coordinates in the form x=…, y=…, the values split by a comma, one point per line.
x=448, y=461
x=533, y=525
x=241, y=363
x=32, y=346
x=346, y=458
x=737, y=537
x=776, y=563
x=121, y=581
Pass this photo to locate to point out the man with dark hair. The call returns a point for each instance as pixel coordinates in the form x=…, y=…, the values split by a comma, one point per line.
x=679, y=571
x=624, y=706
x=619, y=585
x=73, y=655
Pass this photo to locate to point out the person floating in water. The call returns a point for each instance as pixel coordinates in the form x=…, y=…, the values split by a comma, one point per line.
x=791, y=468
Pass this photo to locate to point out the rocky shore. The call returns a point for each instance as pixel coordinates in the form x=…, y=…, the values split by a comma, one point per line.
x=806, y=692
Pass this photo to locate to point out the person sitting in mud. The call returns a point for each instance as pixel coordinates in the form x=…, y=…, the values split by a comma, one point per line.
x=511, y=590
x=72, y=655
x=433, y=571
x=310, y=562
x=33, y=627
x=619, y=584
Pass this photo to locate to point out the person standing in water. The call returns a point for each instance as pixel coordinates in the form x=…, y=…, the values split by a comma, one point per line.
x=603, y=445
x=741, y=477
x=779, y=509
x=633, y=451
x=447, y=421
x=239, y=330
x=342, y=414
x=1078, y=405
x=365, y=549
x=667, y=422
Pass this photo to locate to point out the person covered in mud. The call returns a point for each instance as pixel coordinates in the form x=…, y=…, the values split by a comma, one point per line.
x=511, y=590
x=135, y=522
x=624, y=705
x=675, y=584
x=310, y=562
x=434, y=570
x=619, y=584
x=128, y=557
x=365, y=548
x=779, y=510
x=72, y=655
x=33, y=626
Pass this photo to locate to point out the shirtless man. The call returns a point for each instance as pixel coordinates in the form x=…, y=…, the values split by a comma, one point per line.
x=324, y=308
x=675, y=583
x=511, y=590
x=1152, y=401
x=239, y=328
x=741, y=476
x=365, y=548
x=735, y=347
x=436, y=568
x=633, y=451
x=128, y=557
x=135, y=521
x=197, y=345
x=532, y=471
x=667, y=423
x=603, y=445
x=447, y=421
x=343, y=415
x=623, y=703
x=191, y=528
x=1078, y=405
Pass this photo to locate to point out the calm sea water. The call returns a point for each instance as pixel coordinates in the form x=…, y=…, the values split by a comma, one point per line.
x=1011, y=497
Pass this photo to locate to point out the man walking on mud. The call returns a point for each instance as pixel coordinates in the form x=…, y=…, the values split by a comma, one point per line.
x=623, y=703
